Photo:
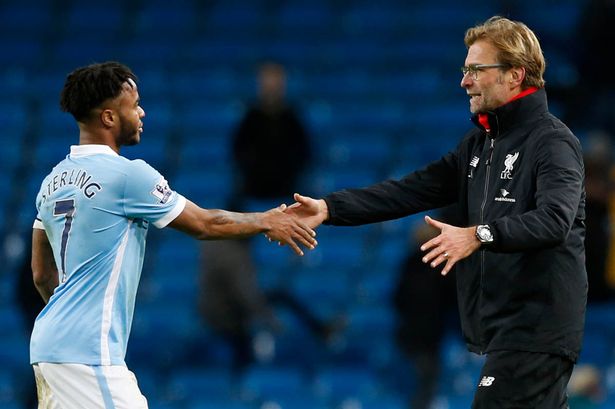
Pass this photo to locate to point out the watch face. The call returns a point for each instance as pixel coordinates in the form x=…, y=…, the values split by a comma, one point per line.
x=484, y=234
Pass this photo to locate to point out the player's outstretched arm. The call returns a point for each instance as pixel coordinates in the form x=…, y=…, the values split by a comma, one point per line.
x=312, y=212
x=44, y=269
x=212, y=224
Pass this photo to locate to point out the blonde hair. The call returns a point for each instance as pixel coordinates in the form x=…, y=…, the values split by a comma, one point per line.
x=517, y=46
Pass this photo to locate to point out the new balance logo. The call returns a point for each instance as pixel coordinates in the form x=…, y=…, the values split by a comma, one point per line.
x=486, y=381
x=473, y=165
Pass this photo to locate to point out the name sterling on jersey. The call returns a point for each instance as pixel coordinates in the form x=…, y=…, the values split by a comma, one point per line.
x=74, y=177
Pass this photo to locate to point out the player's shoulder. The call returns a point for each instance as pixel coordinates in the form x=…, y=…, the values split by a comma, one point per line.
x=129, y=166
x=139, y=166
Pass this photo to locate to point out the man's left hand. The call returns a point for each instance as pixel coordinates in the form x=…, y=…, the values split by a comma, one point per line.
x=451, y=245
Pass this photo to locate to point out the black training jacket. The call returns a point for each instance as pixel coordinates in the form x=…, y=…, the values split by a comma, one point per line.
x=527, y=291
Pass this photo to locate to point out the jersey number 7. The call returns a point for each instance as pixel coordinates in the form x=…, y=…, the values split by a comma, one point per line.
x=67, y=208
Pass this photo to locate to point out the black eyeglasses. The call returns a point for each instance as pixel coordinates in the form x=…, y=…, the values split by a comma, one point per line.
x=474, y=69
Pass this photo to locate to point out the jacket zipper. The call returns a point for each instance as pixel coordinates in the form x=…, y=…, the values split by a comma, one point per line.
x=488, y=163
x=482, y=208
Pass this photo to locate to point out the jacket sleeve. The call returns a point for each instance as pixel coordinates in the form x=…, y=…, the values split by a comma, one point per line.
x=559, y=199
x=432, y=187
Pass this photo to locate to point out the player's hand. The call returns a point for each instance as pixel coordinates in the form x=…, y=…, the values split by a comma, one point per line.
x=451, y=245
x=311, y=211
x=288, y=229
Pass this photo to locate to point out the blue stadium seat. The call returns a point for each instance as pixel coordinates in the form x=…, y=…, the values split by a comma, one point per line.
x=267, y=255
x=303, y=401
x=553, y=23
x=13, y=116
x=331, y=287
x=155, y=94
x=269, y=382
x=209, y=188
x=377, y=284
x=107, y=20
x=458, y=17
x=371, y=150
x=20, y=52
x=8, y=388
x=211, y=84
x=201, y=384
x=218, y=403
x=205, y=153
x=305, y=16
x=386, y=401
x=175, y=254
x=370, y=18
x=14, y=352
x=11, y=321
x=338, y=383
x=347, y=251
x=215, y=118
x=157, y=327
x=597, y=345
x=156, y=21
x=26, y=20
x=245, y=18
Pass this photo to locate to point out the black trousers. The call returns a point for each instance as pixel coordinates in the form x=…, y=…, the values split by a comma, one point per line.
x=523, y=380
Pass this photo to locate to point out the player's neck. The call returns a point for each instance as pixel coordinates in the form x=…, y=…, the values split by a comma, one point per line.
x=97, y=137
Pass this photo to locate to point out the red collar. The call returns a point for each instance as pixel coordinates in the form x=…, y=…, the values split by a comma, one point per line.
x=525, y=93
x=483, y=119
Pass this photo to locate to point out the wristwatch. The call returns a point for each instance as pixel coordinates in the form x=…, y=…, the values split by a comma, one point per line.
x=483, y=233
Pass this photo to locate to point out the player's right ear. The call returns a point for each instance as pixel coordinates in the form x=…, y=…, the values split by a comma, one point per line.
x=107, y=118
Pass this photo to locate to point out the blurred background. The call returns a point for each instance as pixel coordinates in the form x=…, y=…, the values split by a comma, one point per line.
x=375, y=89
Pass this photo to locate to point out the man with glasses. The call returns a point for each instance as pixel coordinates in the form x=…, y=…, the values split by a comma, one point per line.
x=520, y=258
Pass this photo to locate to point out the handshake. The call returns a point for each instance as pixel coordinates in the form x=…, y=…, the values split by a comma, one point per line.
x=295, y=224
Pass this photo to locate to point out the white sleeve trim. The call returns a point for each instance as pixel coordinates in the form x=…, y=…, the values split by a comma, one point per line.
x=170, y=216
x=38, y=225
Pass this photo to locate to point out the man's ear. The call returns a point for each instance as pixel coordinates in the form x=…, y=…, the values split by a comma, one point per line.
x=517, y=75
x=107, y=117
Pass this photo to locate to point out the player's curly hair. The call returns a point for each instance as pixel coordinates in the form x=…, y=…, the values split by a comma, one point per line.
x=88, y=87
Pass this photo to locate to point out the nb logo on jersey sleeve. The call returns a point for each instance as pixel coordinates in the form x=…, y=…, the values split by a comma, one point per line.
x=486, y=381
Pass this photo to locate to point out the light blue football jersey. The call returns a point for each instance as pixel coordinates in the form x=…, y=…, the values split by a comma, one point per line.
x=95, y=207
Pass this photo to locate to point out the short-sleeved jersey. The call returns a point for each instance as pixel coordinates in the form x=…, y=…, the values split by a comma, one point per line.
x=95, y=207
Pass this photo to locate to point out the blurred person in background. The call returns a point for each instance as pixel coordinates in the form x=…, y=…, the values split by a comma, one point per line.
x=233, y=304
x=518, y=179
x=270, y=151
x=426, y=307
x=88, y=242
x=596, y=82
x=586, y=387
x=271, y=146
x=591, y=78
x=599, y=188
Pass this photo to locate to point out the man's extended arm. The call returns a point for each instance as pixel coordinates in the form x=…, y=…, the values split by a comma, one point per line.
x=211, y=224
